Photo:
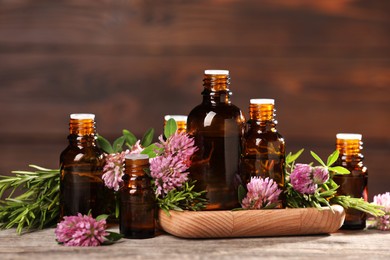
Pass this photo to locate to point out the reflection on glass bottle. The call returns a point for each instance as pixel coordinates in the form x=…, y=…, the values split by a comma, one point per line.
x=263, y=152
x=217, y=127
x=181, y=122
x=355, y=183
x=137, y=199
x=81, y=165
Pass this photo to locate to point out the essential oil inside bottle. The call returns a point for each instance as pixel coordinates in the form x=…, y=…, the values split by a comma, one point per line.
x=217, y=127
x=355, y=183
x=81, y=163
x=137, y=199
x=263, y=153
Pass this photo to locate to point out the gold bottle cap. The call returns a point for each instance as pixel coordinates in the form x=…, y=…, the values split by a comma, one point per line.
x=82, y=116
x=346, y=136
x=262, y=101
x=216, y=72
x=137, y=156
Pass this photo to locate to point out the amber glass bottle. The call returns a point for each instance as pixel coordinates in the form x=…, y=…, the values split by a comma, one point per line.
x=81, y=165
x=263, y=153
x=137, y=199
x=217, y=127
x=181, y=122
x=355, y=183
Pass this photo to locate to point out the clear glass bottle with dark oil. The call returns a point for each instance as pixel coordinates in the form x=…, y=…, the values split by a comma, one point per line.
x=81, y=165
x=137, y=199
x=263, y=153
x=217, y=127
x=355, y=183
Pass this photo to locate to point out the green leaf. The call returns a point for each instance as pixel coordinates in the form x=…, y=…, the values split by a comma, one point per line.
x=112, y=238
x=170, y=128
x=271, y=206
x=147, y=138
x=318, y=159
x=332, y=158
x=41, y=168
x=241, y=193
x=117, y=208
x=130, y=139
x=339, y=170
x=101, y=217
x=104, y=144
x=118, y=144
x=293, y=157
x=150, y=150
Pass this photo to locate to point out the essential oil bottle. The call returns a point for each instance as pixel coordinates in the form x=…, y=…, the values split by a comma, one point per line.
x=263, y=153
x=354, y=184
x=217, y=128
x=137, y=199
x=81, y=165
x=181, y=122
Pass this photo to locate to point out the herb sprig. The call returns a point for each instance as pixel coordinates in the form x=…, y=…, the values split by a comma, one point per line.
x=326, y=193
x=37, y=207
x=184, y=199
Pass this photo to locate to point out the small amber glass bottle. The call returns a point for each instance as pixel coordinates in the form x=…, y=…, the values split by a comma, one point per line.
x=81, y=164
x=137, y=199
x=181, y=122
x=263, y=152
x=217, y=127
x=355, y=183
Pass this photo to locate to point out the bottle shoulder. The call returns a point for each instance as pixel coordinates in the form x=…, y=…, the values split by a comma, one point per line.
x=221, y=110
x=259, y=132
x=81, y=154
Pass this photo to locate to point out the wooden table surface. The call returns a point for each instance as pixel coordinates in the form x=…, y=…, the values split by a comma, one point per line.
x=365, y=244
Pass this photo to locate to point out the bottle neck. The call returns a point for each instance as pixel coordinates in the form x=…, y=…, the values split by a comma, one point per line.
x=262, y=115
x=216, y=88
x=137, y=167
x=350, y=149
x=181, y=126
x=82, y=131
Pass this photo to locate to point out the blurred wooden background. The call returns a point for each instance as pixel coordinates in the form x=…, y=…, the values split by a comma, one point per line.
x=327, y=64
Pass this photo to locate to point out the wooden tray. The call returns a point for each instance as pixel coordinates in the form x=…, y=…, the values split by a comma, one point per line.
x=252, y=223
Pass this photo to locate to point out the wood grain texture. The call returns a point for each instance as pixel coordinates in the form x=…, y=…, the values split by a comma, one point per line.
x=364, y=244
x=327, y=64
x=252, y=223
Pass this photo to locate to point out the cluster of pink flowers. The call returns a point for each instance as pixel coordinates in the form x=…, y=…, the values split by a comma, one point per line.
x=81, y=230
x=179, y=145
x=169, y=168
x=383, y=223
x=305, y=178
x=261, y=193
x=113, y=169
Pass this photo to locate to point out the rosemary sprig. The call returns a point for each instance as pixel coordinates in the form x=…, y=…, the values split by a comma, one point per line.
x=37, y=207
x=358, y=204
x=184, y=199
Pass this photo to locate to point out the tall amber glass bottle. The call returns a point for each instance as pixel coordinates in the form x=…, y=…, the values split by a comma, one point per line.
x=137, y=206
x=217, y=127
x=181, y=122
x=263, y=152
x=354, y=184
x=81, y=165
